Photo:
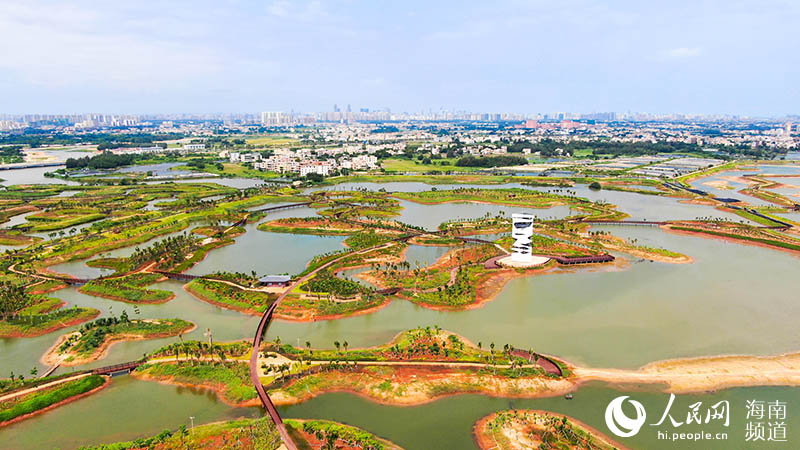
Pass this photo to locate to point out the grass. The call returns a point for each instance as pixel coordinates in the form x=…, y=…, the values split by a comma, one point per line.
x=335, y=433
x=258, y=434
x=228, y=296
x=321, y=307
x=36, y=320
x=764, y=241
x=129, y=288
x=94, y=335
x=271, y=141
x=42, y=399
x=437, y=165
x=419, y=344
x=233, y=377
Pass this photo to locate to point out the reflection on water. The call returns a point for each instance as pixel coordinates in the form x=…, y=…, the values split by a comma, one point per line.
x=447, y=423
x=21, y=355
x=614, y=318
x=125, y=410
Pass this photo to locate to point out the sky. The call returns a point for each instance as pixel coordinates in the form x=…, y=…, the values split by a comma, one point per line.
x=198, y=56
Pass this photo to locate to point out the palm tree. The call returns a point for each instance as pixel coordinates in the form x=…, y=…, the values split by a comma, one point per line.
x=337, y=344
x=345, y=344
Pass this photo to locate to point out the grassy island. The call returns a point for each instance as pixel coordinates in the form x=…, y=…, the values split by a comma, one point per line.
x=93, y=339
x=129, y=288
x=229, y=296
x=527, y=429
x=44, y=398
x=245, y=434
x=230, y=379
x=417, y=366
x=324, y=434
x=23, y=314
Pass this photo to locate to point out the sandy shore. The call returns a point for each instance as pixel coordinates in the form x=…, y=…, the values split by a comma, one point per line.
x=52, y=355
x=706, y=373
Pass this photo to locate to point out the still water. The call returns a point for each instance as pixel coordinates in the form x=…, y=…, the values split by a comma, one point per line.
x=447, y=423
x=615, y=317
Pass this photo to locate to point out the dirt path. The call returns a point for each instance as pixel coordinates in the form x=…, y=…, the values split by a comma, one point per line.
x=42, y=386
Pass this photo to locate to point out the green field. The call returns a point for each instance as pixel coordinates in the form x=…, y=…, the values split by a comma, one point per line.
x=271, y=141
x=405, y=165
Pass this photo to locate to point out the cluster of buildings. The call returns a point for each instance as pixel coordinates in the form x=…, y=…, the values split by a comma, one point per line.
x=670, y=168
x=304, y=161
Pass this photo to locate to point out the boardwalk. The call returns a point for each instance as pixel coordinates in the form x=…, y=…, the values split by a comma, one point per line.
x=262, y=328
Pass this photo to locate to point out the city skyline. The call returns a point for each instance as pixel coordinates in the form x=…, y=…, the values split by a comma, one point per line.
x=735, y=58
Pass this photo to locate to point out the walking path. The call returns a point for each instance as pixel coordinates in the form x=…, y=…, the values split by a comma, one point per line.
x=40, y=387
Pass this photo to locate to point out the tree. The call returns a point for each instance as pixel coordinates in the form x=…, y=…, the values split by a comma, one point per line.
x=34, y=371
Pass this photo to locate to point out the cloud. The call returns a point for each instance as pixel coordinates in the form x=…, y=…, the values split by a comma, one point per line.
x=684, y=52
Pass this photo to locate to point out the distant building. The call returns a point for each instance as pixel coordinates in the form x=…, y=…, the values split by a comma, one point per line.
x=275, y=118
x=275, y=280
x=193, y=147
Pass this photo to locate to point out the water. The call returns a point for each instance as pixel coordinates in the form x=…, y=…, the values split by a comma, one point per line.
x=430, y=216
x=34, y=175
x=125, y=410
x=728, y=193
x=269, y=253
x=647, y=312
x=18, y=219
x=733, y=299
x=238, y=183
x=157, y=170
x=20, y=355
x=447, y=423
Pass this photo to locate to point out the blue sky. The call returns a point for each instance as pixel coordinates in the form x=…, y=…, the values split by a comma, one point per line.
x=739, y=57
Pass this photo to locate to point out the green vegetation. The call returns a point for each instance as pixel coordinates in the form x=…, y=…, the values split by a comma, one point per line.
x=424, y=165
x=105, y=160
x=36, y=401
x=418, y=344
x=317, y=307
x=491, y=161
x=27, y=315
x=760, y=240
x=231, y=378
x=31, y=324
x=130, y=288
x=332, y=435
x=512, y=197
x=88, y=342
x=228, y=296
x=367, y=239
x=549, y=431
x=244, y=434
x=325, y=282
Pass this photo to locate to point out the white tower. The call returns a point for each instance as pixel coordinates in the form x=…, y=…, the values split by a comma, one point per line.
x=521, y=231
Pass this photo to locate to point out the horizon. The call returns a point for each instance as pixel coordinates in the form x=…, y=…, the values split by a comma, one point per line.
x=713, y=59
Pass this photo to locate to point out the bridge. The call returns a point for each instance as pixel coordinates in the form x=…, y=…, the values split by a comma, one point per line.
x=177, y=275
x=625, y=222
x=31, y=165
x=279, y=207
x=544, y=362
x=117, y=369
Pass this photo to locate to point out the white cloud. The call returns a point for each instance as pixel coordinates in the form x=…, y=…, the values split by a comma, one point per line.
x=684, y=52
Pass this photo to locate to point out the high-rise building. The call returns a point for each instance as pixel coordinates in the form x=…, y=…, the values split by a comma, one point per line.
x=522, y=232
x=274, y=118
